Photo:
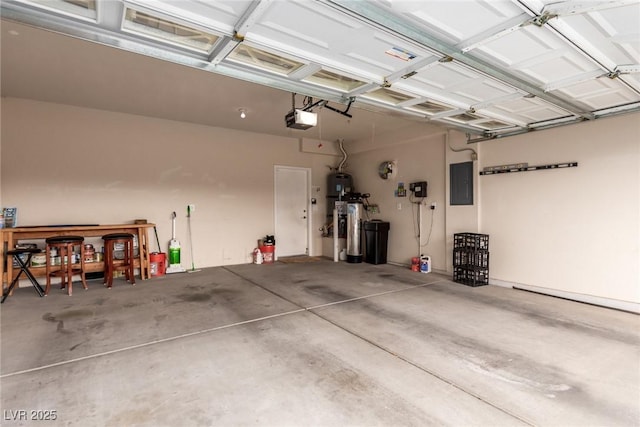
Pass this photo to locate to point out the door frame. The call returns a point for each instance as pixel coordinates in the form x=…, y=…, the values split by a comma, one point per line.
x=307, y=204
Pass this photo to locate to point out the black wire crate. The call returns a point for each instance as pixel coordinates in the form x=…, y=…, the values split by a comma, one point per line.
x=471, y=241
x=470, y=258
x=471, y=276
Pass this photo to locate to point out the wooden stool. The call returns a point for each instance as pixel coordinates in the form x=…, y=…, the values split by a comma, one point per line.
x=113, y=263
x=64, y=246
x=24, y=268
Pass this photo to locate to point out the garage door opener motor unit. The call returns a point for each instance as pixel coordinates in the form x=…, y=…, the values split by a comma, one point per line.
x=300, y=119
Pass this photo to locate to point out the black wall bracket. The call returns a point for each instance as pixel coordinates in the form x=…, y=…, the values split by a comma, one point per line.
x=531, y=168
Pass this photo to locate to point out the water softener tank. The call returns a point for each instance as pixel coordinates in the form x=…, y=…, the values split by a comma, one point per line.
x=354, y=231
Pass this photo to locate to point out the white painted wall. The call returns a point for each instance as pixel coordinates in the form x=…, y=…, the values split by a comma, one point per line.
x=419, y=158
x=69, y=165
x=574, y=230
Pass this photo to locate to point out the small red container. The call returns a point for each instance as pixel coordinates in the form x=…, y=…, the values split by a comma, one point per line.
x=415, y=264
x=268, y=253
x=158, y=261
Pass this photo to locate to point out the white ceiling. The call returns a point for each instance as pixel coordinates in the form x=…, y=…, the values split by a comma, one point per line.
x=491, y=68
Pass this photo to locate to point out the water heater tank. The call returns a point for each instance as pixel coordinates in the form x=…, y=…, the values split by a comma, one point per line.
x=354, y=231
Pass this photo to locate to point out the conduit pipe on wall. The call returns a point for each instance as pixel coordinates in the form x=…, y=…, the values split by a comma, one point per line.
x=344, y=154
x=474, y=154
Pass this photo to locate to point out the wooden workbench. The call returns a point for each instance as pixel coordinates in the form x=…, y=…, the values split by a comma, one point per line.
x=11, y=236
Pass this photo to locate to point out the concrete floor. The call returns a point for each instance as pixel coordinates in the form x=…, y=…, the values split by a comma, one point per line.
x=315, y=343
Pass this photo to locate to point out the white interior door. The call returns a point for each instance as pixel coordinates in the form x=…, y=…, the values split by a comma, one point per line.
x=292, y=219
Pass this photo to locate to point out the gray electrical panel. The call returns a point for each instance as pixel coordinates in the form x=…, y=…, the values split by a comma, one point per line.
x=461, y=183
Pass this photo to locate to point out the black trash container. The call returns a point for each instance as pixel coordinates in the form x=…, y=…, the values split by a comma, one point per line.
x=376, y=235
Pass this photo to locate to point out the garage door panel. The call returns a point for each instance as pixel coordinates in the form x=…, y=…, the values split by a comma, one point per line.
x=220, y=15
x=601, y=93
x=529, y=110
x=614, y=32
x=314, y=32
x=458, y=20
